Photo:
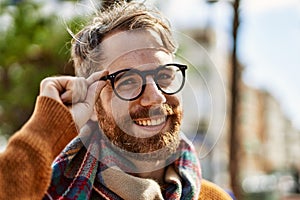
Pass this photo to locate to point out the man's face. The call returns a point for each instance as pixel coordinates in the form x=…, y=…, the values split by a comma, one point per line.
x=150, y=122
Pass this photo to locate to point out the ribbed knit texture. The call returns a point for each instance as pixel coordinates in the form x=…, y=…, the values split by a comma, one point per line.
x=25, y=166
x=210, y=191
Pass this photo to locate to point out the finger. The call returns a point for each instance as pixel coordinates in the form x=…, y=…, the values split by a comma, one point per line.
x=76, y=90
x=96, y=76
x=48, y=89
x=82, y=112
x=53, y=86
x=66, y=97
x=94, y=91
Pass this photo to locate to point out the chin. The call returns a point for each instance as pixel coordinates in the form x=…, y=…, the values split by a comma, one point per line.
x=152, y=138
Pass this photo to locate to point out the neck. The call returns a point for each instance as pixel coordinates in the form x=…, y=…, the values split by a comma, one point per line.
x=151, y=170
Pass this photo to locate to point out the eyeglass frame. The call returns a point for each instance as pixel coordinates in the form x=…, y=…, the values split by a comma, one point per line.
x=143, y=74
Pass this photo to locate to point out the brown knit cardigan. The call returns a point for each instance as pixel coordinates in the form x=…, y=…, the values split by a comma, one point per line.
x=25, y=165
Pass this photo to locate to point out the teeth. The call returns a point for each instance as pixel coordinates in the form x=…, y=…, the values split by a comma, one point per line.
x=150, y=122
x=144, y=122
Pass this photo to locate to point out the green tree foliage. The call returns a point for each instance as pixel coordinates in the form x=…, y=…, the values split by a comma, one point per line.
x=32, y=47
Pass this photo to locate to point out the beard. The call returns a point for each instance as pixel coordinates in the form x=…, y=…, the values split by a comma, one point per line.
x=156, y=147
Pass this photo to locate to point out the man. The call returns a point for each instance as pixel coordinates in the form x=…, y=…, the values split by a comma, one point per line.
x=126, y=107
x=139, y=152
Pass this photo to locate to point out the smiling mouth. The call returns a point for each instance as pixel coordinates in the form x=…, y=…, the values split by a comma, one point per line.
x=151, y=122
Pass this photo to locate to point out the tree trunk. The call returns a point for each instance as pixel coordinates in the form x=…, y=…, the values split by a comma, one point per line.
x=234, y=135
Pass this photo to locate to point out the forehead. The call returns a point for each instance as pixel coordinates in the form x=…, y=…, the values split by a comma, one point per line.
x=134, y=48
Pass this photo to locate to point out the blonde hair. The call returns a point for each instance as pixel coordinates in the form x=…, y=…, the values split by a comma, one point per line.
x=86, y=49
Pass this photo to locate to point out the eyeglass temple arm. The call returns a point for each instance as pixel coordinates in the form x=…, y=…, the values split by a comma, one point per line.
x=104, y=78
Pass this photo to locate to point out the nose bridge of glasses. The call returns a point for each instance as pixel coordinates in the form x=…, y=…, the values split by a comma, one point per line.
x=146, y=74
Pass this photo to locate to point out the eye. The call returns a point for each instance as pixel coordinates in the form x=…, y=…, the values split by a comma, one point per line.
x=165, y=80
x=163, y=76
x=128, y=81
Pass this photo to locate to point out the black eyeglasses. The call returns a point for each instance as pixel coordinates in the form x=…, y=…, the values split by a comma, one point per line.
x=129, y=84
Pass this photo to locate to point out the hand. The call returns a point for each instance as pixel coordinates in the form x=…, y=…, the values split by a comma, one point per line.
x=78, y=93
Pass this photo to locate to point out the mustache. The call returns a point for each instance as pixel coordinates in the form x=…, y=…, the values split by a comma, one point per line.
x=144, y=112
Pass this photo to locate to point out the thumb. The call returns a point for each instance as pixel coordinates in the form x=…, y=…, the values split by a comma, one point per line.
x=94, y=91
x=83, y=111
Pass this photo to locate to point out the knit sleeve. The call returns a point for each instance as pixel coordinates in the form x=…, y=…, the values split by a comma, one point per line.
x=25, y=165
x=211, y=191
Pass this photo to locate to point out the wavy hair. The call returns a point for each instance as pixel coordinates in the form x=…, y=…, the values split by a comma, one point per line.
x=86, y=51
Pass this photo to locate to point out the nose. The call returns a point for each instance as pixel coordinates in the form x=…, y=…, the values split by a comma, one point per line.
x=152, y=95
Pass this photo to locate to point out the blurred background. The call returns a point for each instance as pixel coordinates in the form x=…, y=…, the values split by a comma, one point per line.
x=251, y=80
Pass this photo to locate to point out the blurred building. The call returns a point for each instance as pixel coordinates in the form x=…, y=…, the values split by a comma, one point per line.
x=275, y=131
x=251, y=125
x=269, y=142
x=293, y=146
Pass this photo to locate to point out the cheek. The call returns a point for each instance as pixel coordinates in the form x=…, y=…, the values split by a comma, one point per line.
x=120, y=109
x=104, y=100
x=113, y=105
x=175, y=100
x=178, y=96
